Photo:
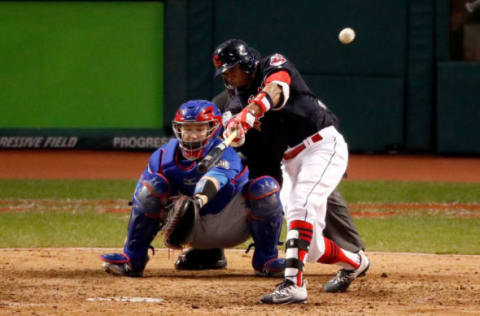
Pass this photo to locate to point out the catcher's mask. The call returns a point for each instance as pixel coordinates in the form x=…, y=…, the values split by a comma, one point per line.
x=195, y=125
x=232, y=52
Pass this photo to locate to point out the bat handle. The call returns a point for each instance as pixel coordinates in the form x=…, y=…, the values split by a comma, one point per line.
x=230, y=138
x=214, y=155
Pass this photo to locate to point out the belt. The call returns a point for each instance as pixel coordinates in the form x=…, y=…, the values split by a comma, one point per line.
x=293, y=152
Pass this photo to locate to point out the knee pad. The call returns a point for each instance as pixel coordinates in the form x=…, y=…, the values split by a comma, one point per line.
x=263, y=197
x=151, y=193
x=149, y=200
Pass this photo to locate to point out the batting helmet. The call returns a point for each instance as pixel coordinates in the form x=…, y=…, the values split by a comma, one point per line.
x=203, y=120
x=232, y=52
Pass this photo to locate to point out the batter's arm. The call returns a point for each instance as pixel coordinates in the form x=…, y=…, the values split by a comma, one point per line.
x=274, y=91
x=273, y=96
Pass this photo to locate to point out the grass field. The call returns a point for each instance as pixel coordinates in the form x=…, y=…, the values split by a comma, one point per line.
x=73, y=213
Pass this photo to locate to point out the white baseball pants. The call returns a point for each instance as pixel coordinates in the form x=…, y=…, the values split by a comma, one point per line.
x=309, y=178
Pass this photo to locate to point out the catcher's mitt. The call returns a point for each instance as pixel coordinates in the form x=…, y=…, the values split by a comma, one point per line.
x=180, y=221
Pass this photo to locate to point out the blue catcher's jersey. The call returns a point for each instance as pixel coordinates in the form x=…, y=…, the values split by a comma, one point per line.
x=182, y=174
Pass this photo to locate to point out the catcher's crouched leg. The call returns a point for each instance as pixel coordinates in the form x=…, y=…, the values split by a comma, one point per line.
x=201, y=259
x=145, y=218
x=265, y=224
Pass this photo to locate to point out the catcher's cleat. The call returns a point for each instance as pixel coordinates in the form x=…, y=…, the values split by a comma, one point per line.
x=274, y=268
x=201, y=259
x=287, y=292
x=119, y=264
x=344, y=278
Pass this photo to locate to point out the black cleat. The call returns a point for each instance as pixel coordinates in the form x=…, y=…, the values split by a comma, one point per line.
x=201, y=259
x=344, y=278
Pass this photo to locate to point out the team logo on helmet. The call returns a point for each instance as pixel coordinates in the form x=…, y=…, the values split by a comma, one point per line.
x=277, y=60
x=217, y=62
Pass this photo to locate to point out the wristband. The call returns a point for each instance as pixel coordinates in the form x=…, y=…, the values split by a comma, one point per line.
x=264, y=101
x=226, y=117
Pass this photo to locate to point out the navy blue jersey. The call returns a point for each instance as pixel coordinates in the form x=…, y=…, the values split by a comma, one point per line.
x=182, y=174
x=302, y=116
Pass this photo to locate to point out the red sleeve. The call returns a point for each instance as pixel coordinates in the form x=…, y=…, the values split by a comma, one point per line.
x=281, y=75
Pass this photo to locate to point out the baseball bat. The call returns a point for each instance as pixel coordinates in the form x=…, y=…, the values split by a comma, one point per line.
x=214, y=155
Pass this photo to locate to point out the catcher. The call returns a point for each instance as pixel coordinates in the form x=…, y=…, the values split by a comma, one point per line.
x=219, y=209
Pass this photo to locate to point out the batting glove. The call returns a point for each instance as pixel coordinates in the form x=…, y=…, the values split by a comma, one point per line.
x=235, y=126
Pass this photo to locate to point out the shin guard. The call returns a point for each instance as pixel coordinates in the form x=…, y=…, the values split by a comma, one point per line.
x=265, y=224
x=299, y=237
x=149, y=201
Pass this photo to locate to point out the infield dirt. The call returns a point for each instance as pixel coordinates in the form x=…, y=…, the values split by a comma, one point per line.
x=71, y=282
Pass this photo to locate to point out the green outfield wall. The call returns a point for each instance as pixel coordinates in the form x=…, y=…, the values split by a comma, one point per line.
x=81, y=72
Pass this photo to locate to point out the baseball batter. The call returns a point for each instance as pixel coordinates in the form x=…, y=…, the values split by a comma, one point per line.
x=219, y=209
x=274, y=109
x=339, y=225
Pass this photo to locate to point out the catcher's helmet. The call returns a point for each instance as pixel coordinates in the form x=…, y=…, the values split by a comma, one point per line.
x=199, y=118
x=232, y=52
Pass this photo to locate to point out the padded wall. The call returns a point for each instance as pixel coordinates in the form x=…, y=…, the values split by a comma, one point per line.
x=458, y=111
x=371, y=110
x=419, y=116
x=362, y=82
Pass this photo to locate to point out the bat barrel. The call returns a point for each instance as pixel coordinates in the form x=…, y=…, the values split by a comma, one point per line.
x=203, y=166
x=211, y=158
x=215, y=154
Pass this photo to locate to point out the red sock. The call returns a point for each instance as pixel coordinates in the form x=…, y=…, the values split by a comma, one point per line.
x=333, y=254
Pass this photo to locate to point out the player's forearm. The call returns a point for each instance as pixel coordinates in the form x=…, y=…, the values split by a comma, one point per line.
x=207, y=188
x=260, y=106
x=275, y=93
x=251, y=114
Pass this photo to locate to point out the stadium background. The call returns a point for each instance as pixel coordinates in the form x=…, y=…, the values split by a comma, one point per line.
x=109, y=75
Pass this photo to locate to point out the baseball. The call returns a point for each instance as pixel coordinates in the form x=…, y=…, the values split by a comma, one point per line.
x=346, y=36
